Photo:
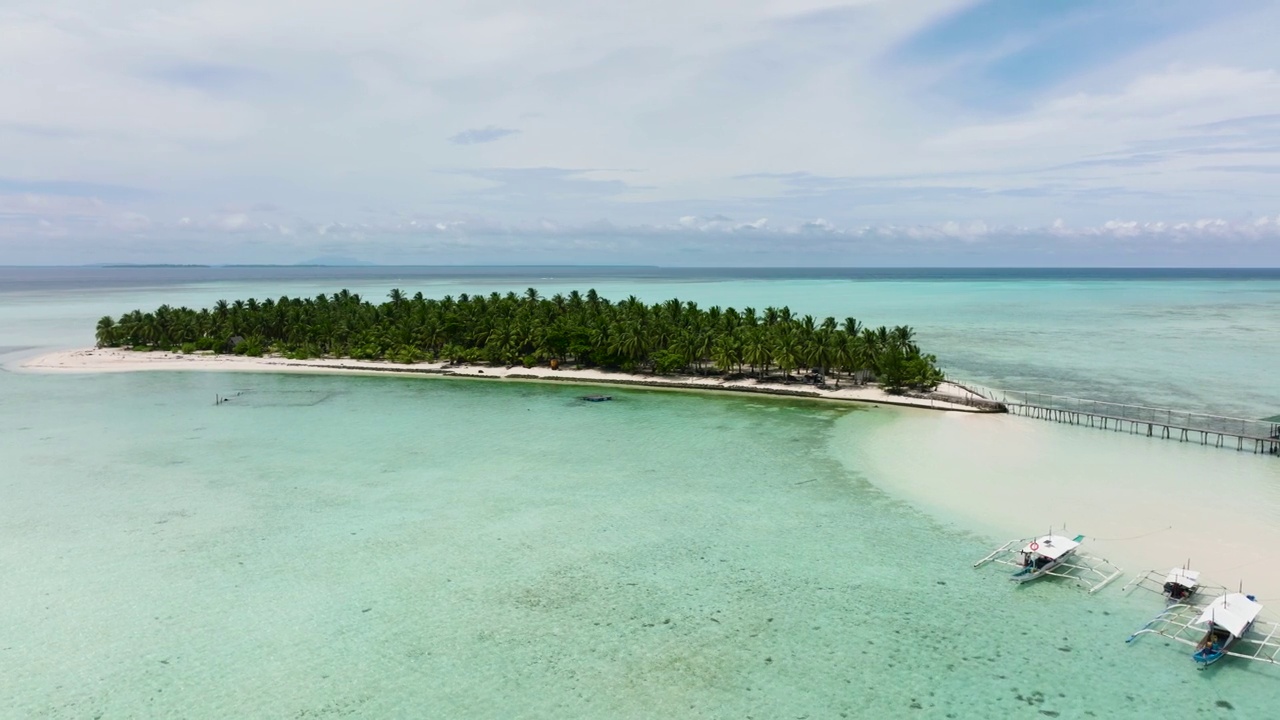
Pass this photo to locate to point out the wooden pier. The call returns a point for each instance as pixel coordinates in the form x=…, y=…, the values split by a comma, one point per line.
x=1257, y=436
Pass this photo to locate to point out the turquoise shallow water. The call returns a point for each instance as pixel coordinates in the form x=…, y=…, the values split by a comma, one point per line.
x=423, y=547
x=375, y=547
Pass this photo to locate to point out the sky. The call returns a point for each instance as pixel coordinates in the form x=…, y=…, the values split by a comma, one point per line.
x=698, y=132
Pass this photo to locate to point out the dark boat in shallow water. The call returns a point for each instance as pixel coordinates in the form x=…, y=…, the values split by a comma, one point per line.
x=597, y=398
x=1178, y=585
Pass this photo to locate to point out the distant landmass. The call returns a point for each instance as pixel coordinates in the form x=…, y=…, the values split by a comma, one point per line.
x=352, y=262
x=142, y=265
x=314, y=262
x=336, y=260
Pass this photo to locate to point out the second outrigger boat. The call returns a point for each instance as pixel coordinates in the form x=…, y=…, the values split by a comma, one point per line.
x=1055, y=555
x=1180, y=585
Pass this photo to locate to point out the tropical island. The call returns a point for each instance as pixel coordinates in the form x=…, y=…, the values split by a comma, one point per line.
x=577, y=337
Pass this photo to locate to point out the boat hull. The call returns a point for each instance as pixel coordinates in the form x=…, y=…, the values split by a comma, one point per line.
x=1204, y=657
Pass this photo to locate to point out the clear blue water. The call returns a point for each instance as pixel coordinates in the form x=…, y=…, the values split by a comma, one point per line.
x=398, y=547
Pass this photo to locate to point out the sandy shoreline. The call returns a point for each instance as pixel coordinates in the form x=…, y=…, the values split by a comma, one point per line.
x=948, y=397
x=1140, y=502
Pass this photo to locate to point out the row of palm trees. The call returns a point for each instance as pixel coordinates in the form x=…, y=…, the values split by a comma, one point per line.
x=583, y=329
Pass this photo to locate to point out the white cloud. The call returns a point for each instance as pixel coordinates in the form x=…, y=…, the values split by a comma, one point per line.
x=233, y=221
x=486, y=134
x=705, y=240
x=1150, y=107
x=395, y=117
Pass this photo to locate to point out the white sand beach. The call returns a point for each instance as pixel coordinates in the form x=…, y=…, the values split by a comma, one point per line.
x=948, y=396
x=1141, y=503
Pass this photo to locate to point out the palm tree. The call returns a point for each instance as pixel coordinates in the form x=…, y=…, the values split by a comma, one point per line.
x=726, y=353
x=758, y=352
x=106, y=330
x=826, y=352
x=682, y=346
x=902, y=336
x=785, y=351
x=629, y=342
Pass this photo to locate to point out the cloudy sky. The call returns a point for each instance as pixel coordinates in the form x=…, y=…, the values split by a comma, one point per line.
x=689, y=132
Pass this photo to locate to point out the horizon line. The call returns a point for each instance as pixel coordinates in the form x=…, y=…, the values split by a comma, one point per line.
x=119, y=266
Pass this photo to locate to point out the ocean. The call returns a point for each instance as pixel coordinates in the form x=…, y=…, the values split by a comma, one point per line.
x=376, y=547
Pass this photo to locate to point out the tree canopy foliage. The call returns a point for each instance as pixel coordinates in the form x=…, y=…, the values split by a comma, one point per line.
x=584, y=329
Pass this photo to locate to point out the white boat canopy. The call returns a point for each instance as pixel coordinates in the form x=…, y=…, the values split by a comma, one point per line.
x=1232, y=612
x=1051, y=546
x=1184, y=577
x=1092, y=572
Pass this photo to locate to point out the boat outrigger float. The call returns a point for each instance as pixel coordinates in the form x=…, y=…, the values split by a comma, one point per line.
x=1054, y=555
x=1228, y=625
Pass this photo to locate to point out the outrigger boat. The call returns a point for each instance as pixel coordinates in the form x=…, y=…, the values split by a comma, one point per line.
x=1177, y=585
x=1228, y=625
x=1043, y=554
x=1228, y=619
x=1180, y=584
x=1054, y=555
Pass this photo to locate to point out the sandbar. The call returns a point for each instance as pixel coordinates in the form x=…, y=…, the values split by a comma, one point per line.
x=1142, y=503
x=947, y=397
